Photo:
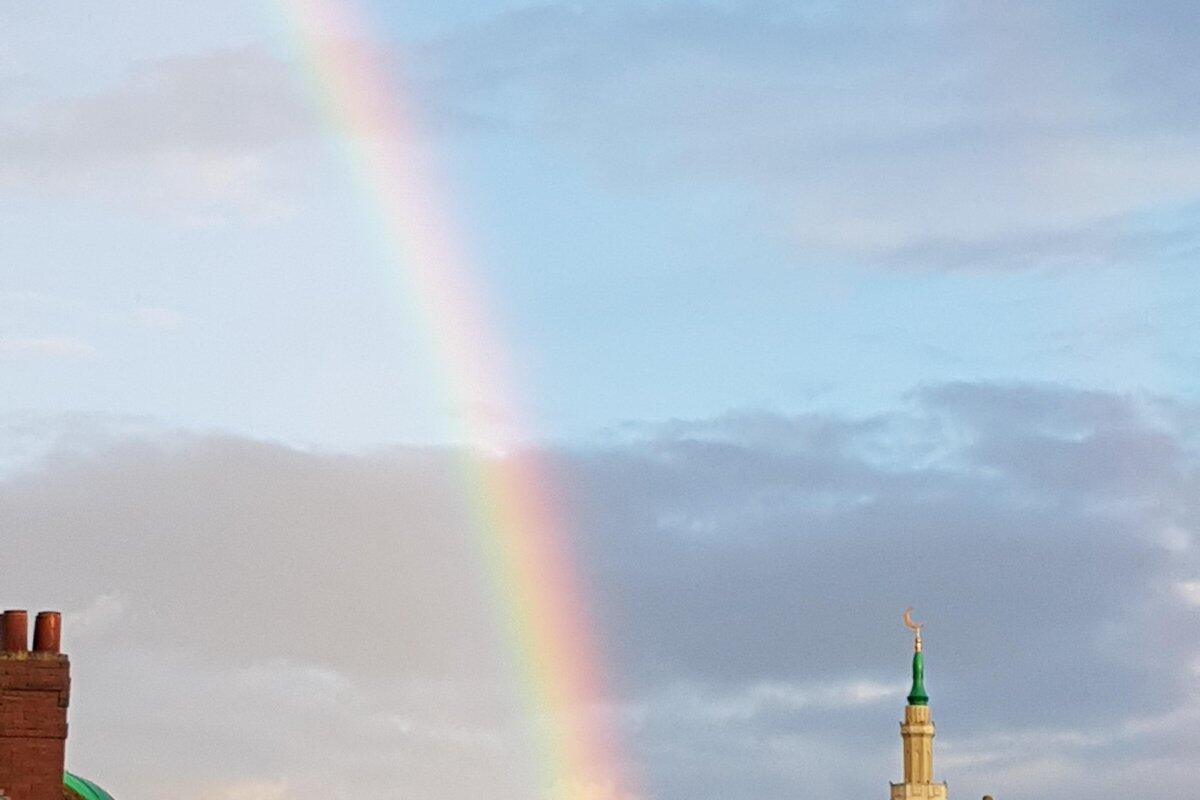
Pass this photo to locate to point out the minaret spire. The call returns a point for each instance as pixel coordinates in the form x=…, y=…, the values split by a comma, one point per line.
x=917, y=731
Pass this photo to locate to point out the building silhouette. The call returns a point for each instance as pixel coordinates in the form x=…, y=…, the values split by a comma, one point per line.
x=35, y=690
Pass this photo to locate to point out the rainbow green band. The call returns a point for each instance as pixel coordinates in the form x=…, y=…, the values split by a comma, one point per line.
x=521, y=524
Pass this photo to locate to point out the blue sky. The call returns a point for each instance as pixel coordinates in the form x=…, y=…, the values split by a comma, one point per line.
x=651, y=249
x=790, y=288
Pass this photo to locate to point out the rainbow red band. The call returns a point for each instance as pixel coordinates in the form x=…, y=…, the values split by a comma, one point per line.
x=523, y=534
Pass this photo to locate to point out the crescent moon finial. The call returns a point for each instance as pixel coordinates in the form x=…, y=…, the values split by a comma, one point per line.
x=915, y=627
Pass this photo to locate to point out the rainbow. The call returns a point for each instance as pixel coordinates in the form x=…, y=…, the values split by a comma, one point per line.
x=521, y=529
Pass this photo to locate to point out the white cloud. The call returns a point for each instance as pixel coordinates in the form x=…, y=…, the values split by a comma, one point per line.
x=279, y=682
x=97, y=617
x=23, y=301
x=30, y=310
x=771, y=697
x=248, y=790
x=1176, y=538
x=45, y=347
x=1188, y=592
x=27, y=438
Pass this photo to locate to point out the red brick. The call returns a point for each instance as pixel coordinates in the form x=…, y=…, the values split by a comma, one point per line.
x=34, y=693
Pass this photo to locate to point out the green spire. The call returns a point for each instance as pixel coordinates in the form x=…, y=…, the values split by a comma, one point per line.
x=917, y=696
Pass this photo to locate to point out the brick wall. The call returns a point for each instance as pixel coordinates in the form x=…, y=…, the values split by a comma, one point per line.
x=34, y=691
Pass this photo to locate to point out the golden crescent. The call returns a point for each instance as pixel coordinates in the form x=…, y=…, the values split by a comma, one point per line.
x=908, y=621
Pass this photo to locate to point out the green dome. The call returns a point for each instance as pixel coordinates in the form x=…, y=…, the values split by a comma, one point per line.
x=918, y=696
x=84, y=788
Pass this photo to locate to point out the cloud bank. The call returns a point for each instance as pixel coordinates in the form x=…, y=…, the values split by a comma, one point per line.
x=919, y=134
x=916, y=134
x=201, y=138
x=252, y=620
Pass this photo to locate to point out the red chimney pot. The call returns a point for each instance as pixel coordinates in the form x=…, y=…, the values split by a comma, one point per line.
x=47, y=632
x=16, y=631
x=36, y=690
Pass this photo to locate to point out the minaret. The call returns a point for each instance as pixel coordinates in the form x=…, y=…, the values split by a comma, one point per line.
x=917, y=733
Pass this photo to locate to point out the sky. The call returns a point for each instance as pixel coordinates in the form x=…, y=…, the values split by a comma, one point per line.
x=815, y=311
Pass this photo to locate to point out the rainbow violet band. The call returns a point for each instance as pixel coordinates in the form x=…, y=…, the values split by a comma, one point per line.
x=522, y=529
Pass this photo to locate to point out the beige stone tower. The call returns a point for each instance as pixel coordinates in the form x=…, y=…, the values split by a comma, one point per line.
x=916, y=732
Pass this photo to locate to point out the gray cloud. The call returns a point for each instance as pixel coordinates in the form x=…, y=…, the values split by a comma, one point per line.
x=201, y=137
x=905, y=134
x=745, y=572
x=943, y=134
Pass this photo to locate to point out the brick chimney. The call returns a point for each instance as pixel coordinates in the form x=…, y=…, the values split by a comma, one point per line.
x=34, y=690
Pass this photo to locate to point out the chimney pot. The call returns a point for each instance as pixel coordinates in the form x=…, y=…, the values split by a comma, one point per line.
x=47, y=632
x=35, y=690
x=16, y=631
